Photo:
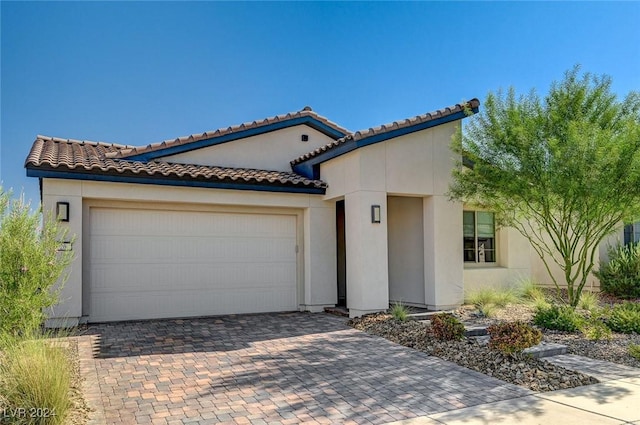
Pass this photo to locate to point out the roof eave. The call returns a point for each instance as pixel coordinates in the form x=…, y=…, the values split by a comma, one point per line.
x=66, y=173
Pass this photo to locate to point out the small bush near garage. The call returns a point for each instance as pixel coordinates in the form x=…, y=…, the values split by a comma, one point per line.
x=625, y=318
x=35, y=381
x=30, y=266
x=559, y=318
x=620, y=276
x=35, y=374
x=513, y=337
x=446, y=327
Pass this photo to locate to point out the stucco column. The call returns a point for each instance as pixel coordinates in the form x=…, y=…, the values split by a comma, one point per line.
x=320, y=257
x=366, y=247
x=443, y=265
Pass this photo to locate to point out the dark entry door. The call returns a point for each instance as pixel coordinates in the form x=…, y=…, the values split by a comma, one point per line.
x=342, y=255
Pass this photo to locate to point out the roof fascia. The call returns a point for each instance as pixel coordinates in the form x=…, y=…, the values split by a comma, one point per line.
x=54, y=174
x=310, y=168
x=236, y=135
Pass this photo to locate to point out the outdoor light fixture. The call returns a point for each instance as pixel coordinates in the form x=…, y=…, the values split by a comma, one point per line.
x=375, y=213
x=62, y=211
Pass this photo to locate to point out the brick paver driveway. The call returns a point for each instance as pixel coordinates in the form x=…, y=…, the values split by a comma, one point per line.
x=268, y=368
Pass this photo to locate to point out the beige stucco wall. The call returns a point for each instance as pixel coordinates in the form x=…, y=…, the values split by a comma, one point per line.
x=614, y=239
x=406, y=250
x=317, y=248
x=540, y=274
x=268, y=151
x=417, y=165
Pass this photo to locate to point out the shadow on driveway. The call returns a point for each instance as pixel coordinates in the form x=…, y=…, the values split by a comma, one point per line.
x=283, y=368
x=204, y=334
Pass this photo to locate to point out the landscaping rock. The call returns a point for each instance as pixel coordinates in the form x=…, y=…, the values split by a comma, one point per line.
x=519, y=369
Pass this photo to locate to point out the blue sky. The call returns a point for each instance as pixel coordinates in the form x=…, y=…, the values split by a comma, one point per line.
x=143, y=72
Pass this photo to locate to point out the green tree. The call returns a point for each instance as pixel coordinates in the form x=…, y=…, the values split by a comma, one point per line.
x=563, y=170
x=30, y=266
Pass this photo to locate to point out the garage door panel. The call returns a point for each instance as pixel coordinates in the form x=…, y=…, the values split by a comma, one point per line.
x=128, y=278
x=219, y=263
x=192, y=303
x=124, y=249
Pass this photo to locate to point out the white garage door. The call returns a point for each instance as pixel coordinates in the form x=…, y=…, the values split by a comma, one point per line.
x=147, y=264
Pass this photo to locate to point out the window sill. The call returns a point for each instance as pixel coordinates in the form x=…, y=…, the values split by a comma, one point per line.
x=476, y=266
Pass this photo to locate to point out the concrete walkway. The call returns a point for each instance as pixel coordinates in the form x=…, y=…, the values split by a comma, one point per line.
x=303, y=368
x=612, y=402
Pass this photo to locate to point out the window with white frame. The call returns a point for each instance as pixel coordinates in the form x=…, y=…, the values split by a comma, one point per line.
x=479, y=232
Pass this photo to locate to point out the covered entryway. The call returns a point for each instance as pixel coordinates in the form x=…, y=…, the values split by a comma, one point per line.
x=162, y=263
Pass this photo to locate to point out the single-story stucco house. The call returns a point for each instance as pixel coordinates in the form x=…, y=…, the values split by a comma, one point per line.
x=293, y=212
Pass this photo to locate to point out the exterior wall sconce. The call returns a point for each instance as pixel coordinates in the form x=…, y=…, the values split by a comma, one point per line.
x=375, y=214
x=62, y=211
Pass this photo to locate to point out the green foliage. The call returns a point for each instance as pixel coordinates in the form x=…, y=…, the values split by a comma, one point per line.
x=513, y=337
x=399, y=311
x=446, y=327
x=489, y=300
x=563, y=170
x=620, y=276
x=29, y=266
x=35, y=374
x=594, y=329
x=540, y=303
x=488, y=310
x=530, y=292
x=625, y=318
x=634, y=351
x=589, y=301
x=560, y=318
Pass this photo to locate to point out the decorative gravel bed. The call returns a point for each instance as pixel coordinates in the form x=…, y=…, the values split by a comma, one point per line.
x=520, y=370
x=615, y=349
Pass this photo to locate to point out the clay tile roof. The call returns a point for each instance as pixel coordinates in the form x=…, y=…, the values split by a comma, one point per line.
x=396, y=125
x=52, y=153
x=305, y=112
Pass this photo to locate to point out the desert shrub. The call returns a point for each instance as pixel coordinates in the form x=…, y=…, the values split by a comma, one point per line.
x=446, y=327
x=595, y=329
x=488, y=310
x=634, y=350
x=625, y=318
x=528, y=291
x=399, y=311
x=30, y=266
x=513, y=337
x=489, y=300
x=35, y=375
x=560, y=318
x=496, y=296
x=589, y=301
x=620, y=276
